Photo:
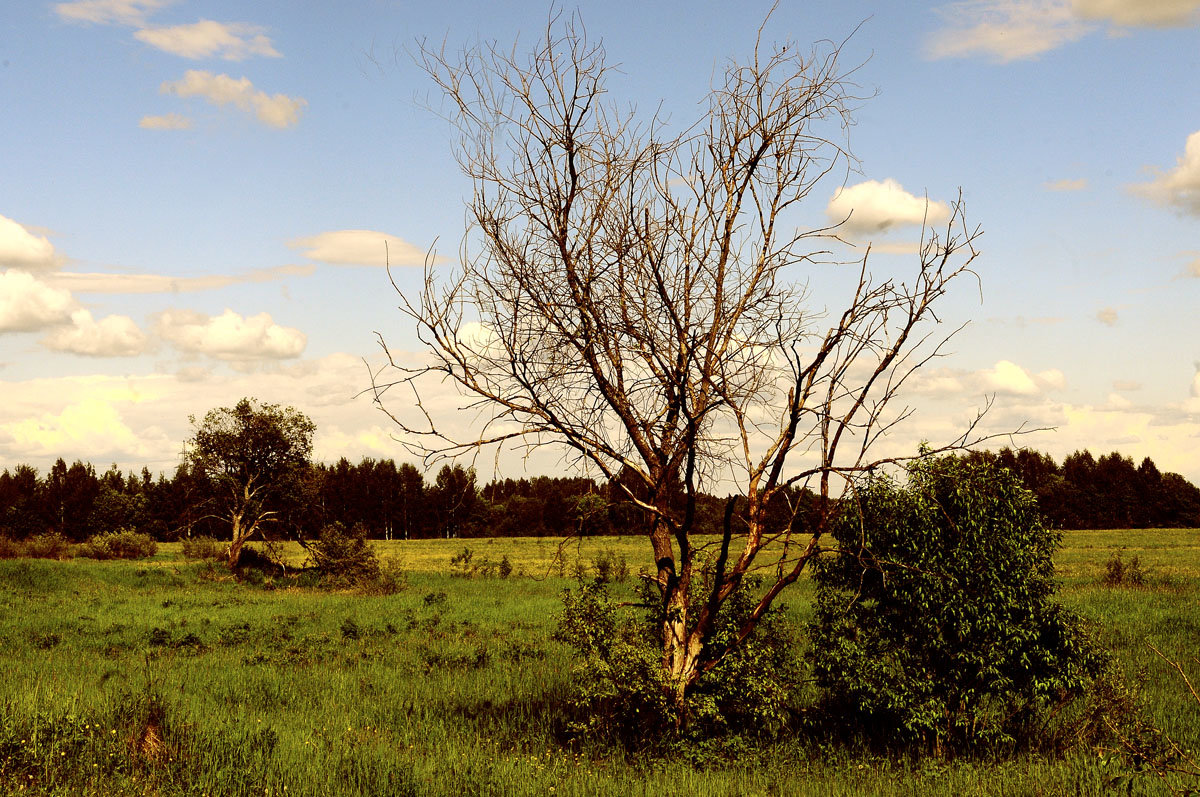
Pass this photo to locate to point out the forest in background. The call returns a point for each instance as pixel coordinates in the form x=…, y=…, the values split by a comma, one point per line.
x=396, y=501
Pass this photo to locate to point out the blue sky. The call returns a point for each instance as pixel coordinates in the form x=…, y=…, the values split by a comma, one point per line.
x=193, y=194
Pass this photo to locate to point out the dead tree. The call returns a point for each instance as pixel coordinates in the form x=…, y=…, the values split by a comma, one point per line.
x=639, y=298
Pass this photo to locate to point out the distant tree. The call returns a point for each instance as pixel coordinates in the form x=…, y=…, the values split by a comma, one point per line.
x=454, y=500
x=253, y=452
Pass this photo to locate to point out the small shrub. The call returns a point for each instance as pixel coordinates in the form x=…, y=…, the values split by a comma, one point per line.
x=11, y=549
x=350, y=629
x=124, y=544
x=505, y=569
x=1119, y=573
x=619, y=691
x=47, y=546
x=342, y=557
x=610, y=566
x=460, y=563
x=203, y=548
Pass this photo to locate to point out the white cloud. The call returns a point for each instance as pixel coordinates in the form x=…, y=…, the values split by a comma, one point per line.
x=873, y=206
x=109, y=12
x=277, y=110
x=27, y=305
x=20, y=248
x=1196, y=382
x=169, y=121
x=1107, y=316
x=233, y=41
x=1066, y=185
x=360, y=248
x=1134, y=13
x=85, y=282
x=1179, y=187
x=91, y=428
x=229, y=336
x=1008, y=378
x=112, y=336
x=1005, y=30
x=1013, y=30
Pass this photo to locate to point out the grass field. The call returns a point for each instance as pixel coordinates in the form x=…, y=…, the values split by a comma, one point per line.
x=168, y=677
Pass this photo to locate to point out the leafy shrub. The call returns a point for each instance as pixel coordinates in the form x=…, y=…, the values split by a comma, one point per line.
x=942, y=632
x=47, y=546
x=620, y=692
x=343, y=556
x=1119, y=573
x=11, y=549
x=505, y=569
x=610, y=566
x=124, y=544
x=203, y=548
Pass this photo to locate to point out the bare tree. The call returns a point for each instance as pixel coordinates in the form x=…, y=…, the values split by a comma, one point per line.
x=637, y=296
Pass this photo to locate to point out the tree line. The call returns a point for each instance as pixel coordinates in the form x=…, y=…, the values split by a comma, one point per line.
x=396, y=501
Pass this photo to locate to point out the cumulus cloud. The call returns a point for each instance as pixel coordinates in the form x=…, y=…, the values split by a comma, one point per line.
x=273, y=110
x=360, y=248
x=1107, y=316
x=1005, y=30
x=27, y=304
x=109, y=12
x=233, y=41
x=92, y=426
x=112, y=336
x=85, y=282
x=168, y=121
x=20, y=248
x=1140, y=13
x=873, y=206
x=1008, y=378
x=229, y=336
x=1066, y=185
x=1180, y=187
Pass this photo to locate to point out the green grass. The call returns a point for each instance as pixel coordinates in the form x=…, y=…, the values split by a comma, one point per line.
x=167, y=677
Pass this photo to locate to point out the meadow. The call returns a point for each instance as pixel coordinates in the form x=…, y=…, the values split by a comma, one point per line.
x=167, y=676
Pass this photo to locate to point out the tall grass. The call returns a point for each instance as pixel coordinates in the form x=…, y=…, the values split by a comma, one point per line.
x=166, y=676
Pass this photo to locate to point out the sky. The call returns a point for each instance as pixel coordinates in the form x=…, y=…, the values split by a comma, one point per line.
x=194, y=197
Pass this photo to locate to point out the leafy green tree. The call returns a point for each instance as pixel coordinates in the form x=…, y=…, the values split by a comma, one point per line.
x=937, y=625
x=254, y=452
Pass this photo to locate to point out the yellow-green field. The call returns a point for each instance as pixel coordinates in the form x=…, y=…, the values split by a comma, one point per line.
x=168, y=677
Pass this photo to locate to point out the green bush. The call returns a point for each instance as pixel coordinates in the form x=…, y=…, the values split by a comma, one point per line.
x=619, y=691
x=47, y=546
x=1119, y=573
x=344, y=557
x=203, y=548
x=124, y=544
x=936, y=627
